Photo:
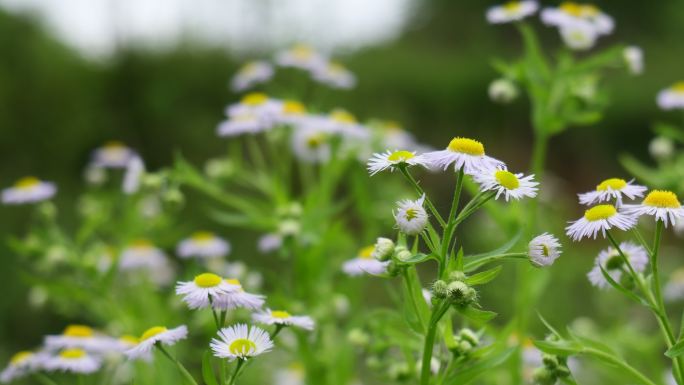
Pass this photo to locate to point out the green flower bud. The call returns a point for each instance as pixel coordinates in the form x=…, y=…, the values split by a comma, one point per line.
x=393, y=269
x=383, y=250
x=457, y=276
x=440, y=289
x=470, y=336
x=460, y=293
x=543, y=376
x=502, y=91
x=550, y=361
x=358, y=337
x=562, y=371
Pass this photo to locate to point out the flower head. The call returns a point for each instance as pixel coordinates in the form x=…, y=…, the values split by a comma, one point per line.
x=465, y=153
x=203, y=244
x=74, y=361
x=156, y=335
x=579, y=35
x=634, y=58
x=614, y=265
x=312, y=143
x=393, y=159
x=511, y=11
x=613, y=188
x=251, y=74
x=672, y=97
x=571, y=13
x=543, y=250
x=238, y=298
x=599, y=218
x=113, y=154
x=280, y=317
x=81, y=337
x=28, y=190
x=21, y=364
x=506, y=183
x=241, y=341
x=664, y=205
x=410, y=216
x=334, y=75
x=205, y=289
x=300, y=56
x=365, y=263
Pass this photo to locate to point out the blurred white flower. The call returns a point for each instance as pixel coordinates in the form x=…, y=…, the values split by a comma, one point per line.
x=511, y=11
x=672, y=98
x=28, y=190
x=156, y=335
x=634, y=57
x=283, y=318
x=203, y=244
x=300, y=56
x=612, y=188
x=334, y=75
x=76, y=361
x=613, y=264
x=113, y=154
x=579, y=35
x=251, y=74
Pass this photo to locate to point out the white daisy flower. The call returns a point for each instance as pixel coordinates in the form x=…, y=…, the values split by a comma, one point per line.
x=291, y=112
x=256, y=103
x=238, y=298
x=634, y=58
x=203, y=244
x=599, y=218
x=341, y=121
x=613, y=264
x=334, y=75
x=672, y=97
x=674, y=289
x=74, y=361
x=664, y=205
x=133, y=175
x=300, y=56
x=391, y=159
x=113, y=154
x=463, y=153
x=94, y=175
x=251, y=74
x=21, y=364
x=28, y=190
x=506, y=183
x=410, y=216
x=141, y=254
x=543, y=250
x=269, y=242
x=612, y=188
x=204, y=290
x=511, y=11
x=392, y=135
x=294, y=374
x=569, y=13
x=280, y=317
x=579, y=36
x=311, y=144
x=364, y=263
x=241, y=342
x=81, y=337
x=156, y=335
x=241, y=124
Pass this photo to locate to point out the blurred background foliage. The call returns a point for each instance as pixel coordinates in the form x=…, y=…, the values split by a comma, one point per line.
x=56, y=106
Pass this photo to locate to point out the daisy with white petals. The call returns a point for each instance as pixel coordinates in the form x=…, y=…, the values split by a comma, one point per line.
x=283, y=318
x=300, y=56
x=312, y=144
x=463, y=153
x=241, y=342
x=511, y=11
x=543, y=250
x=410, y=216
x=634, y=58
x=113, y=154
x=614, y=264
x=664, y=205
x=81, y=337
x=203, y=244
x=251, y=74
x=506, y=183
x=255, y=104
x=393, y=159
x=76, y=361
x=571, y=13
x=334, y=75
x=599, y=219
x=613, y=188
x=672, y=97
x=291, y=112
x=204, y=290
x=237, y=298
x=28, y=190
x=156, y=335
x=364, y=263
x=142, y=253
x=21, y=364
x=579, y=36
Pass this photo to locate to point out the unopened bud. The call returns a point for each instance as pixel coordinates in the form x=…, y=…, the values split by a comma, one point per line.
x=383, y=250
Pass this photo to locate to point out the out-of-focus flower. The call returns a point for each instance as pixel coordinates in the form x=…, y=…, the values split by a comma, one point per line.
x=579, y=35
x=156, y=335
x=311, y=144
x=511, y=11
x=251, y=74
x=76, y=361
x=135, y=169
x=113, y=154
x=28, y=190
x=20, y=365
x=571, y=13
x=634, y=58
x=502, y=91
x=80, y=337
x=203, y=244
x=364, y=263
x=280, y=317
x=661, y=147
x=672, y=97
x=614, y=265
x=334, y=75
x=300, y=56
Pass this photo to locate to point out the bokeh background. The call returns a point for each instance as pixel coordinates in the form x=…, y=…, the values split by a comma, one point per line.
x=154, y=74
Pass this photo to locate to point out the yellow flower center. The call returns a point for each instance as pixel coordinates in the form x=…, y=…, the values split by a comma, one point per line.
x=280, y=314
x=600, y=212
x=241, y=346
x=678, y=87
x=367, y=252
x=72, y=354
x=20, y=357
x=293, y=107
x=114, y=145
x=590, y=10
x=141, y=243
x=234, y=281
x=342, y=116
x=129, y=339
x=507, y=179
x=27, y=182
x=545, y=250
x=662, y=199
x=315, y=140
x=571, y=8
x=207, y=280
x=202, y=236
x=512, y=6
x=336, y=68
x=255, y=99
x=78, y=331
x=151, y=332
x=302, y=51
x=400, y=156
x=411, y=214
x=613, y=183
x=249, y=67
x=466, y=146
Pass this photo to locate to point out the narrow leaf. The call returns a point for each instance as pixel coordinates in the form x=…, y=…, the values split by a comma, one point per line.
x=484, y=276
x=208, y=370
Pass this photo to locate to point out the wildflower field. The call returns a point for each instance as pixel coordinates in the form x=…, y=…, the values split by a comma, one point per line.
x=494, y=198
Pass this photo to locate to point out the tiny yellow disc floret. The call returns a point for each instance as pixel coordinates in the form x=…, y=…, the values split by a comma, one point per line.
x=512, y=6
x=293, y=107
x=466, y=146
x=255, y=99
x=20, y=357
x=662, y=199
x=280, y=314
x=78, y=331
x=114, y=145
x=302, y=51
x=599, y=212
x=367, y=252
x=207, y=280
x=678, y=87
x=507, y=179
x=342, y=116
x=27, y=182
x=400, y=156
x=72, y=353
x=241, y=346
x=612, y=183
x=151, y=332
x=202, y=236
x=233, y=281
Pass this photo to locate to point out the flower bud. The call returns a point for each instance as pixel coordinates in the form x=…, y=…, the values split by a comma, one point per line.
x=470, y=336
x=543, y=376
x=550, y=361
x=383, y=250
x=358, y=337
x=403, y=254
x=502, y=91
x=393, y=269
x=460, y=293
x=661, y=148
x=440, y=289
x=457, y=276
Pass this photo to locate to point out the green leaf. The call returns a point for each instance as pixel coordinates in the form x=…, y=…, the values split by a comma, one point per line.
x=474, y=314
x=676, y=350
x=500, y=250
x=472, y=372
x=621, y=288
x=416, y=311
x=459, y=260
x=417, y=258
x=562, y=348
x=208, y=370
x=548, y=326
x=484, y=277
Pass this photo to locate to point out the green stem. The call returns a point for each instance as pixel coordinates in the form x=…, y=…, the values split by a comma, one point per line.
x=277, y=330
x=420, y=191
x=472, y=265
x=437, y=313
x=43, y=379
x=180, y=366
x=610, y=358
x=236, y=373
